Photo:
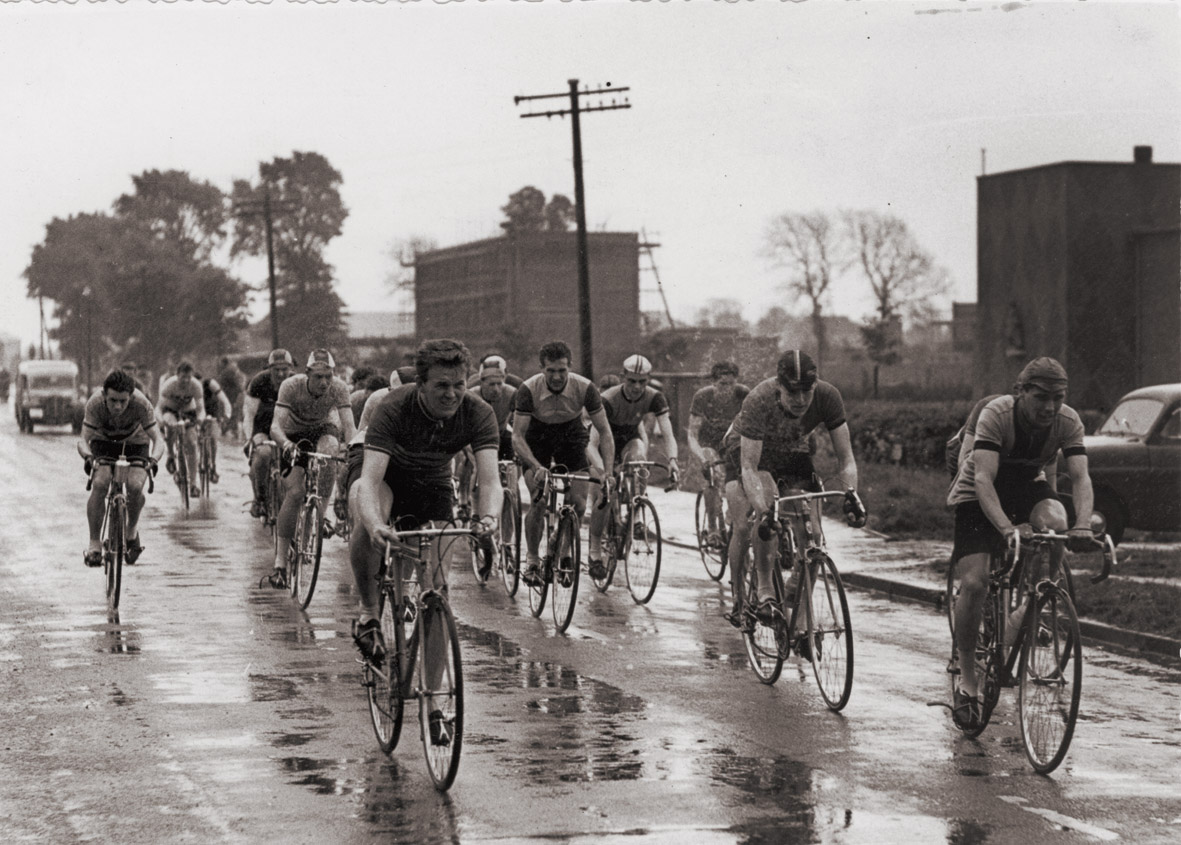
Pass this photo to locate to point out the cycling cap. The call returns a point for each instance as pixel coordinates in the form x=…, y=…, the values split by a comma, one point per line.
x=321, y=358
x=637, y=365
x=1045, y=373
x=493, y=365
x=395, y=379
x=280, y=356
x=796, y=369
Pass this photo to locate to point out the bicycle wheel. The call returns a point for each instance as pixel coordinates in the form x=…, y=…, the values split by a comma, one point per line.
x=713, y=555
x=613, y=549
x=385, y=695
x=764, y=642
x=443, y=704
x=113, y=552
x=830, y=632
x=304, y=560
x=274, y=502
x=642, y=563
x=989, y=668
x=951, y=596
x=182, y=473
x=205, y=462
x=510, y=543
x=1050, y=679
x=565, y=563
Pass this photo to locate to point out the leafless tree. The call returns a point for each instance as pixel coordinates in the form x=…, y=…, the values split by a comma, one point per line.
x=810, y=248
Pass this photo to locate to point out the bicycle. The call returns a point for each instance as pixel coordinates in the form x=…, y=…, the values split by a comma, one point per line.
x=176, y=445
x=303, y=558
x=1046, y=649
x=818, y=627
x=712, y=545
x=403, y=605
x=273, y=486
x=633, y=534
x=508, y=562
x=561, y=560
x=205, y=455
x=114, y=527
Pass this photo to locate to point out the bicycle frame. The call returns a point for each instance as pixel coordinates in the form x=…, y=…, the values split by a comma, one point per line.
x=306, y=543
x=116, y=502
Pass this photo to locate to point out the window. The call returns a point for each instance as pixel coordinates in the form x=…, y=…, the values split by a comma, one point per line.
x=1171, y=430
x=1132, y=417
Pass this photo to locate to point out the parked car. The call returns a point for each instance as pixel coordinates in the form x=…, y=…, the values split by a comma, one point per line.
x=47, y=394
x=1135, y=462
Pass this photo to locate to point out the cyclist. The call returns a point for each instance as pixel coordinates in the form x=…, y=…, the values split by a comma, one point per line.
x=218, y=411
x=1002, y=489
x=959, y=445
x=547, y=428
x=312, y=412
x=711, y=411
x=404, y=479
x=767, y=450
x=493, y=389
x=118, y=416
x=231, y=380
x=513, y=381
x=629, y=405
x=259, y=408
x=357, y=389
x=182, y=400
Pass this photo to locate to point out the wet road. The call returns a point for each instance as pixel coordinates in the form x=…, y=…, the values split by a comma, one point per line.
x=212, y=711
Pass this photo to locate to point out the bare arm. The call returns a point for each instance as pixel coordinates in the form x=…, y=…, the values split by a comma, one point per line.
x=250, y=409
x=1084, y=494
x=348, y=426
x=842, y=444
x=368, y=498
x=665, y=423
x=694, y=429
x=751, y=452
x=606, y=440
x=491, y=496
x=987, y=463
x=282, y=418
x=520, y=447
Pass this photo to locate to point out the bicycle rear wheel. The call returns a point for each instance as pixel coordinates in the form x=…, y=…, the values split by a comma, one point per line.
x=989, y=668
x=830, y=632
x=765, y=641
x=386, y=704
x=951, y=596
x=641, y=565
x=274, y=501
x=1050, y=679
x=304, y=560
x=510, y=543
x=206, y=465
x=712, y=555
x=613, y=549
x=114, y=551
x=444, y=703
x=182, y=473
x=565, y=563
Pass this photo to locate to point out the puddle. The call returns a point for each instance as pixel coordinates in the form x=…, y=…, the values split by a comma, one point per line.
x=325, y=777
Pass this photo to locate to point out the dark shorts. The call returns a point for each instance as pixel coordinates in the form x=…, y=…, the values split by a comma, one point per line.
x=622, y=437
x=354, y=459
x=793, y=472
x=312, y=434
x=416, y=500
x=115, y=448
x=560, y=444
x=974, y=534
x=505, y=451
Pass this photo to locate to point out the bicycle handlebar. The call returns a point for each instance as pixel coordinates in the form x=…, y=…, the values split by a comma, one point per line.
x=1104, y=541
x=143, y=463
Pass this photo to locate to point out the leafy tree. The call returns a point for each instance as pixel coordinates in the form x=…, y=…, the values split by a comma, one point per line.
x=528, y=211
x=309, y=309
x=177, y=208
x=811, y=249
x=560, y=214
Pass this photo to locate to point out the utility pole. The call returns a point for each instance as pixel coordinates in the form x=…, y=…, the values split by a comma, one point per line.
x=268, y=208
x=41, y=336
x=586, y=351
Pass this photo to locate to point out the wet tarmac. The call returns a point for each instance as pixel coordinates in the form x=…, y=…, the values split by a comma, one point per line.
x=208, y=710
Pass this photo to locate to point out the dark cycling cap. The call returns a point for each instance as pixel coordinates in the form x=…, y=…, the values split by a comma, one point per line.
x=796, y=369
x=1045, y=373
x=280, y=356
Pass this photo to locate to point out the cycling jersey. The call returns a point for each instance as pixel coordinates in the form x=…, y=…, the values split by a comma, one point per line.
x=786, y=439
x=625, y=415
x=308, y=412
x=131, y=425
x=422, y=446
x=263, y=388
x=544, y=407
x=1024, y=453
x=181, y=399
x=717, y=410
x=503, y=406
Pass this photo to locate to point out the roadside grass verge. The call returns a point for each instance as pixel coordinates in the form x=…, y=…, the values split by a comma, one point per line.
x=1152, y=607
x=906, y=503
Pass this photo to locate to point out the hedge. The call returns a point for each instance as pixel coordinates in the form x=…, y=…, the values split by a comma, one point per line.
x=904, y=433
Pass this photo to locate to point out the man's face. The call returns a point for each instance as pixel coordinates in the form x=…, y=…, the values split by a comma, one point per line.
x=318, y=381
x=443, y=391
x=280, y=372
x=556, y=373
x=633, y=387
x=184, y=379
x=725, y=384
x=795, y=399
x=491, y=386
x=1040, y=406
x=117, y=401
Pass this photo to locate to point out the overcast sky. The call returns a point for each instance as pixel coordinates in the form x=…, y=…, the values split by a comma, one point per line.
x=739, y=112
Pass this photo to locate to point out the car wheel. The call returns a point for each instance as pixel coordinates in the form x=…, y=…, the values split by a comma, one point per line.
x=1109, y=507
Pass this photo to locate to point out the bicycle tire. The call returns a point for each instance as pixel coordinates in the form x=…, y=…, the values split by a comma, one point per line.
x=951, y=595
x=182, y=472
x=566, y=563
x=304, y=560
x=714, y=559
x=509, y=562
x=641, y=566
x=830, y=632
x=386, y=705
x=1050, y=679
x=443, y=760
x=274, y=502
x=115, y=549
x=764, y=644
x=539, y=592
x=989, y=668
x=612, y=549
x=205, y=465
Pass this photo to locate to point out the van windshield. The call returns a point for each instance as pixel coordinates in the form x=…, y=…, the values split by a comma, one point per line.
x=54, y=381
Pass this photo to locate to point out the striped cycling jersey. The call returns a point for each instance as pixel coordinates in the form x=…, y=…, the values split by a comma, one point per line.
x=544, y=407
x=131, y=425
x=307, y=411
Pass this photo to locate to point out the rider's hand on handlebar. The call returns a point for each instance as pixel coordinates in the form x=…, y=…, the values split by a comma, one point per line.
x=383, y=534
x=855, y=513
x=1081, y=540
x=1024, y=530
x=288, y=450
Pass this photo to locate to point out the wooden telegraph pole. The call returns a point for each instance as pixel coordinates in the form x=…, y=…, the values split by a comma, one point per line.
x=268, y=208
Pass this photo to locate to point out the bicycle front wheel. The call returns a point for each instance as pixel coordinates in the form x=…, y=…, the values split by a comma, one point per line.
x=951, y=596
x=763, y=638
x=206, y=461
x=510, y=543
x=305, y=555
x=565, y=564
x=1050, y=679
x=440, y=706
x=383, y=686
x=642, y=563
x=830, y=632
x=713, y=554
x=114, y=551
x=182, y=473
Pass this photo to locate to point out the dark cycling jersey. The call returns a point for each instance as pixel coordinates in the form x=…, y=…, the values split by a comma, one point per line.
x=786, y=439
x=263, y=388
x=504, y=404
x=625, y=415
x=1024, y=454
x=131, y=425
x=951, y=452
x=717, y=410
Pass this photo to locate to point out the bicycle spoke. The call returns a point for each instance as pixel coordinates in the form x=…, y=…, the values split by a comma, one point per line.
x=441, y=701
x=829, y=632
x=642, y=564
x=764, y=643
x=566, y=565
x=385, y=698
x=1050, y=679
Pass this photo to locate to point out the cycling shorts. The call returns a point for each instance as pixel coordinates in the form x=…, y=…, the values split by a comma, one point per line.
x=312, y=435
x=794, y=471
x=417, y=501
x=354, y=459
x=563, y=444
x=975, y=534
x=115, y=448
x=505, y=451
